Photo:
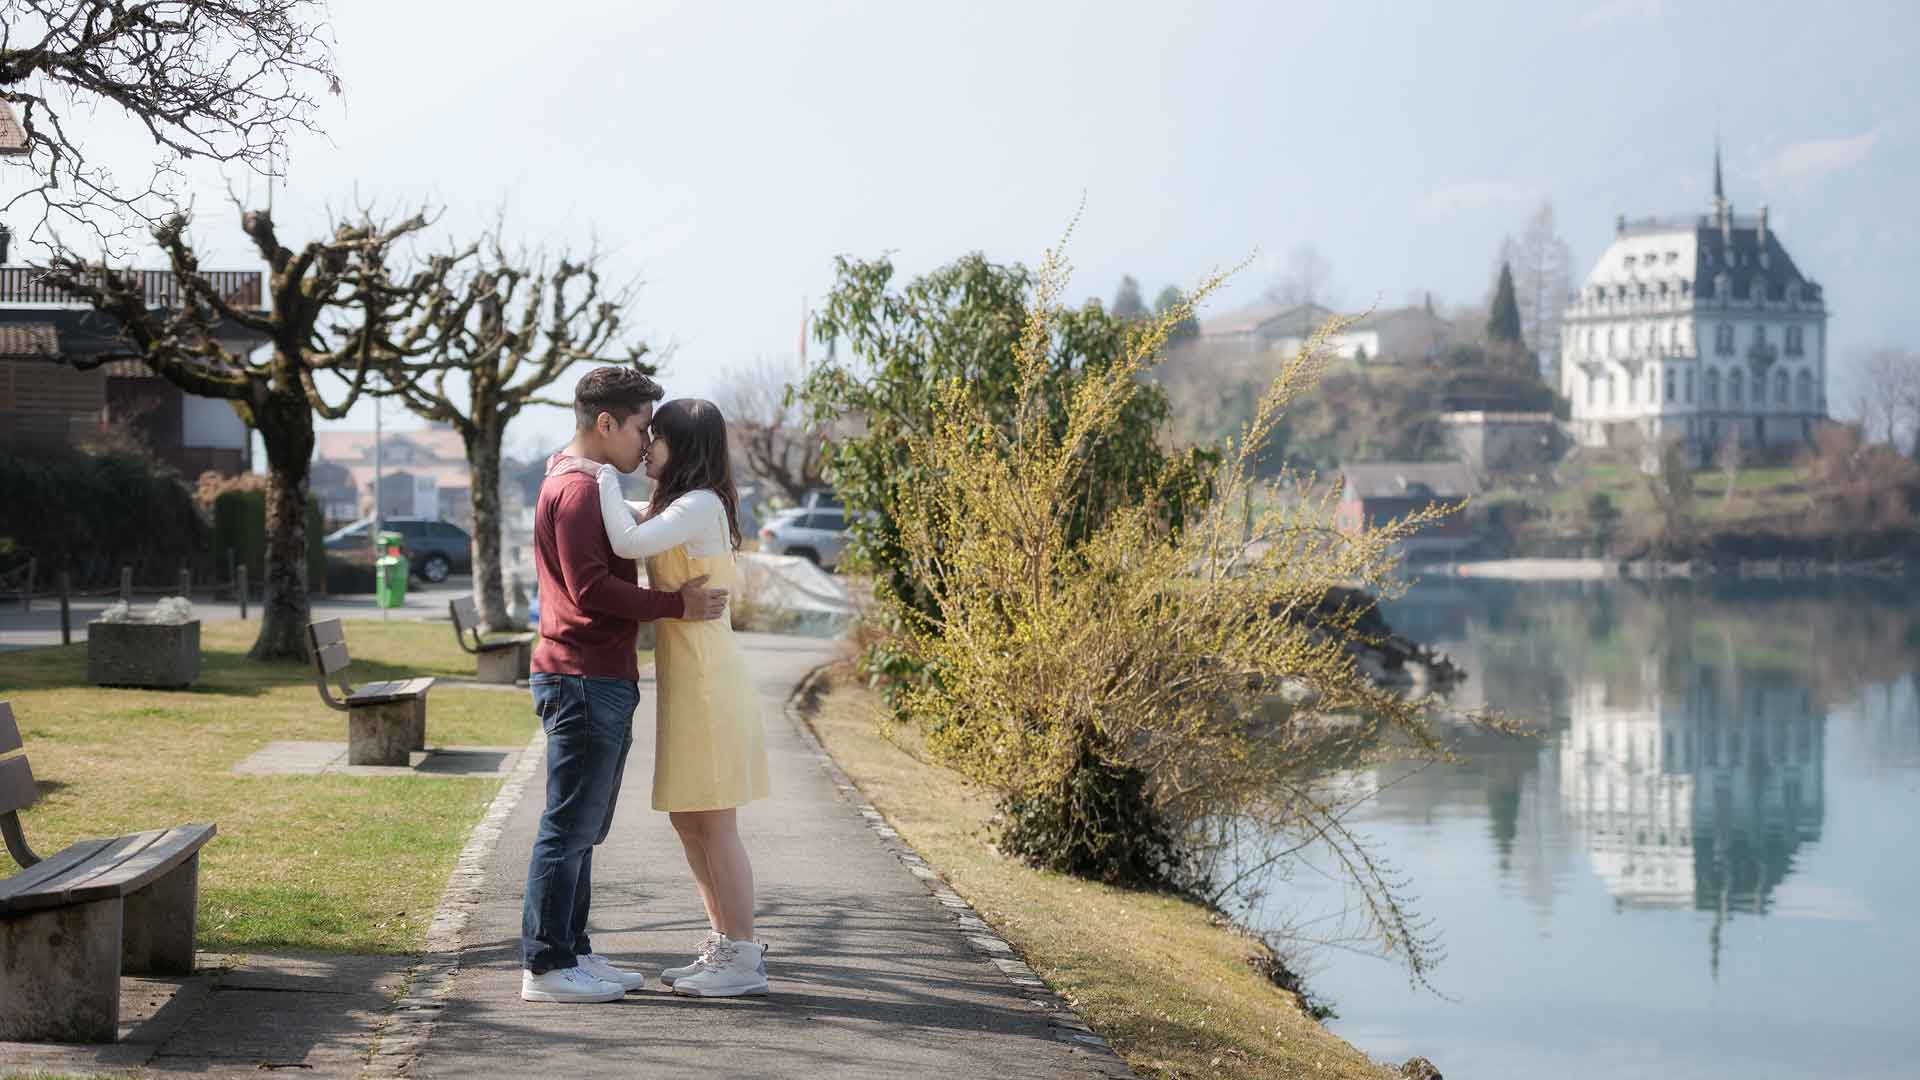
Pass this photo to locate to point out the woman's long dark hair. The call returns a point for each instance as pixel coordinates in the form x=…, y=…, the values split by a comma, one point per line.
x=696, y=437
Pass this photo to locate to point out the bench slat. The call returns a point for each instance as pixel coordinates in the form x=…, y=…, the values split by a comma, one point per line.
x=29, y=879
x=9, y=731
x=332, y=656
x=141, y=868
x=17, y=789
x=466, y=613
x=396, y=690
x=327, y=632
x=505, y=641
x=103, y=869
x=118, y=850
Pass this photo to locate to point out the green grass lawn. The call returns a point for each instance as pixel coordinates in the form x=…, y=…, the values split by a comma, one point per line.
x=352, y=864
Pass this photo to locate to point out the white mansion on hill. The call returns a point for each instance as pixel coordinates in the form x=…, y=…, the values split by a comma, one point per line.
x=1703, y=329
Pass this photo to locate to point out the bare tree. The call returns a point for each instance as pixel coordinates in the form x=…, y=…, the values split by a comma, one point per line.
x=1542, y=276
x=279, y=394
x=1887, y=397
x=1304, y=281
x=769, y=429
x=212, y=80
x=510, y=325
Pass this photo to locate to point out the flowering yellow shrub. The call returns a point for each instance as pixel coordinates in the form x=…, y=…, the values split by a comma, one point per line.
x=1138, y=695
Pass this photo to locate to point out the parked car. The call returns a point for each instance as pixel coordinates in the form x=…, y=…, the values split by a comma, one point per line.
x=434, y=549
x=817, y=534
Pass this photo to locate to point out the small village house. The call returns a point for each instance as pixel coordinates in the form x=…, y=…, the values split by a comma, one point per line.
x=46, y=401
x=1376, y=493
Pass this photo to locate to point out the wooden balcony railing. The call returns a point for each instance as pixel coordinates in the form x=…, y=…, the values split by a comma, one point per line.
x=26, y=285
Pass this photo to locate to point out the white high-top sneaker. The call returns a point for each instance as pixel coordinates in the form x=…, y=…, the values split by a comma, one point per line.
x=670, y=975
x=736, y=968
x=602, y=968
x=567, y=986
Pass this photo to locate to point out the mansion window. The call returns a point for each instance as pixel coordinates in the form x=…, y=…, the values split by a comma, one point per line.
x=1736, y=387
x=1796, y=341
x=1805, y=388
x=1670, y=384
x=1713, y=387
x=1723, y=339
x=1780, y=387
x=1689, y=398
x=1760, y=335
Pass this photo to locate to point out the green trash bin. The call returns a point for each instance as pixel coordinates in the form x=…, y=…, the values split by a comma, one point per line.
x=390, y=572
x=390, y=581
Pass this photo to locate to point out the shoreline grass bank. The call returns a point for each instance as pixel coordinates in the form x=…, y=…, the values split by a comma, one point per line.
x=1173, y=988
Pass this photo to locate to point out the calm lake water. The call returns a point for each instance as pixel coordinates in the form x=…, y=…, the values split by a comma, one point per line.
x=1708, y=865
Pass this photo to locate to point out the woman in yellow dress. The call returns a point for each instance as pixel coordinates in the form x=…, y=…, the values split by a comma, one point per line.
x=709, y=758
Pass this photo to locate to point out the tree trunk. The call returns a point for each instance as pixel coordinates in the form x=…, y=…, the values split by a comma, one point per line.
x=483, y=459
x=286, y=427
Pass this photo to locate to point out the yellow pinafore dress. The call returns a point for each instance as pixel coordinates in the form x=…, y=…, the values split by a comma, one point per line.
x=708, y=749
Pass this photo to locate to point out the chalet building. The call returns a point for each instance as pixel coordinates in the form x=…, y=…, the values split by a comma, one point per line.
x=44, y=400
x=1390, y=335
x=1703, y=329
x=1375, y=494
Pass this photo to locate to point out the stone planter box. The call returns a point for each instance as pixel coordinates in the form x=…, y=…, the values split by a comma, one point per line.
x=151, y=655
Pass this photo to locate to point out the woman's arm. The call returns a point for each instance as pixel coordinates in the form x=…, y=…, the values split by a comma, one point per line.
x=670, y=528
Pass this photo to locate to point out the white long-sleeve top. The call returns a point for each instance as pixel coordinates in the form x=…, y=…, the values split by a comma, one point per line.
x=697, y=519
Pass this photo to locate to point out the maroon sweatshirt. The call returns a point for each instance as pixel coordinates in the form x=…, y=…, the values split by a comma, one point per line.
x=591, y=606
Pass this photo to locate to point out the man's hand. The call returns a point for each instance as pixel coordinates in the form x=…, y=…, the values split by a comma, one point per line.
x=702, y=603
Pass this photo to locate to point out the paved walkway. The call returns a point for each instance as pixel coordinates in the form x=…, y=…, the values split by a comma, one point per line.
x=872, y=977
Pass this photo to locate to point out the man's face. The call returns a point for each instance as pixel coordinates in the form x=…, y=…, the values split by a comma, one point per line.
x=626, y=442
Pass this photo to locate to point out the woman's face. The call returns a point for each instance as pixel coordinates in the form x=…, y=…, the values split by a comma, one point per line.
x=657, y=457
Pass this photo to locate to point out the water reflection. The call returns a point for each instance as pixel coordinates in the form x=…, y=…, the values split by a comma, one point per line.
x=1712, y=762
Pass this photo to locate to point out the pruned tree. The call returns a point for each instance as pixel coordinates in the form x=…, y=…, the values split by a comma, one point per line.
x=508, y=326
x=772, y=438
x=210, y=80
x=343, y=278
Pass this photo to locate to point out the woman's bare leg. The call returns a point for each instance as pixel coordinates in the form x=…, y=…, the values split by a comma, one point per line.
x=730, y=871
x=689, y=832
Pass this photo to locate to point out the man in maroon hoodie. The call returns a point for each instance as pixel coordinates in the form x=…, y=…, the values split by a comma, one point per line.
x=585, y=685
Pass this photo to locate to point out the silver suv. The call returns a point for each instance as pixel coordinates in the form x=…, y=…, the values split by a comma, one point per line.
x=816, y=532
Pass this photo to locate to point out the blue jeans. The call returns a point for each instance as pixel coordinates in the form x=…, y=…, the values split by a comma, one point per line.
x=589, y=726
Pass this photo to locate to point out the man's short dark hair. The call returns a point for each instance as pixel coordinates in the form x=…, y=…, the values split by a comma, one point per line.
x=617, y=391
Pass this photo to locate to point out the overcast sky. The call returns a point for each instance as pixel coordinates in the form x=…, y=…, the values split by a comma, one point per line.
x=727, y=152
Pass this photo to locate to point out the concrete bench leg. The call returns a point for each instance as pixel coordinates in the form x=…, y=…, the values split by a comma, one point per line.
x=157, y=936
x=381, y=734
x=60, y=974
x=420, y=722
x=497, y=665
x=525, y=651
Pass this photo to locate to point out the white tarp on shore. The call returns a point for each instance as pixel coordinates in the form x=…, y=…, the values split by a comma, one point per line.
x=791, y=584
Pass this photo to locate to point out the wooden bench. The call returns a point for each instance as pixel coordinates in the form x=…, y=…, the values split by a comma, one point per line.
x=72, y=923
x=499, y=659
x=385, y=720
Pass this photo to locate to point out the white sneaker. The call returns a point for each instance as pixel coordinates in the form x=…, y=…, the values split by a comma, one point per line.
x=567, y=986
x=602, y=968
x=736, y=968
x=670, y=975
